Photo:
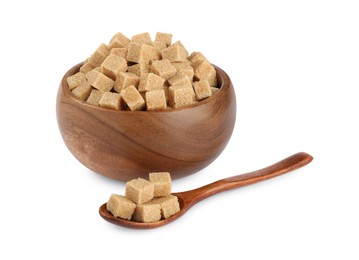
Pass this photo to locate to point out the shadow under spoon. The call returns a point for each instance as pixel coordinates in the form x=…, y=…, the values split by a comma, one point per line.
x=187, y=199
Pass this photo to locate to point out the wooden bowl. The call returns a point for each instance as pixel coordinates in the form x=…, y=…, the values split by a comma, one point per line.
x=125, y=145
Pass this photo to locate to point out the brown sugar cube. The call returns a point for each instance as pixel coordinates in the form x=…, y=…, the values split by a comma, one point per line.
x=147, y=212
x=159, y=45
x=139, y=52
x=156, y=100
x=86, y=67
x=124, y=80
x=212, y=77
x=178, y=43
x=110, y=100
x=99, y=81
x=134, y=52
x=180, y=79
x=119, y=41
x=164, y=37
x=112, y=65
x=169, y=205
x=133, y=98
x=75, y=80
x=150, y=81
x=196, y=56
x=95, y=97
x=180, y=96
x=139, y=190
x=175, y=54
x=82, y=91
x=139, y=68
x=162, y=182
x=99, y=55
x=202, y=69
x=122, y=52
x=144, y=38
x=163, y=68
x=120, y=206
x=202, y=89
x=214, y=90
x=184, y=67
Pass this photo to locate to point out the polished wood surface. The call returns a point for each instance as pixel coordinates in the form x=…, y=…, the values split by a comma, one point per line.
x=189, y=198
x=129, y=144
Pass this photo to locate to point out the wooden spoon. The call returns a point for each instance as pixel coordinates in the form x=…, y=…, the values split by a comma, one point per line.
x=188, y=198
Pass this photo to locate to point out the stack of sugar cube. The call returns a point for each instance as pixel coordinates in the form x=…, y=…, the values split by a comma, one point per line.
x=141, y=74
x=145, y=200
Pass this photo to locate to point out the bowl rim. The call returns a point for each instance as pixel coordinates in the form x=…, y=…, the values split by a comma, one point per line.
x=222, y=76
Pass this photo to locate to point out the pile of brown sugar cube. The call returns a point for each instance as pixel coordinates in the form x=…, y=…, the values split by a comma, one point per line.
x=141, y=74
x=145, y=200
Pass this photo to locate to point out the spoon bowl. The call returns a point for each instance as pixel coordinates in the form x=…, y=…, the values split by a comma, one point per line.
x=189, y=198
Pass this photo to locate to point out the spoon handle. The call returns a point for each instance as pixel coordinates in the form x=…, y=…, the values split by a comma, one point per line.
x=289, y=164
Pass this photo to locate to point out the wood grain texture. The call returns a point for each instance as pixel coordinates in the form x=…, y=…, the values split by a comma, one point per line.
x=189, y=198
x=128, y=144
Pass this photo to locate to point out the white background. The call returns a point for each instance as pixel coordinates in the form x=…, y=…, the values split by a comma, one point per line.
x=294, y=65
